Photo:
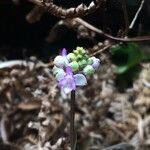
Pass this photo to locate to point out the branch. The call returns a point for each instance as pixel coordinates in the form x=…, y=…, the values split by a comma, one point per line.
x=136, y=15
x=82, y=10
x=79, y=11
x=101, y=50
x=91, y=27
x=126, y=18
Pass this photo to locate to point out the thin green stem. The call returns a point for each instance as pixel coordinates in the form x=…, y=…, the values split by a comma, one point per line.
x=73, y=137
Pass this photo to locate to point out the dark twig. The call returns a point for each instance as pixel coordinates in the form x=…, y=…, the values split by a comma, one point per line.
x=35, y=14
x=126, y=18
x=73, y=137
x=91, y=27
x=101, y=50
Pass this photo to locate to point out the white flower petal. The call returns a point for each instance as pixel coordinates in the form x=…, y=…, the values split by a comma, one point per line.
x=60, y=75
x=55, y=70
x=67, y=90
x=80, y=80
x=66, y=61
x=60, y=61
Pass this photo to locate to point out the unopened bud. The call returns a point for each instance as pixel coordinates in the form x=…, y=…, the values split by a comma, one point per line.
x=71, y=57
x=81, y=50
x=90, y=61
x=82, y=63
x=79, y=57
x=88, y=70
x=60, y=61
x=74, y=65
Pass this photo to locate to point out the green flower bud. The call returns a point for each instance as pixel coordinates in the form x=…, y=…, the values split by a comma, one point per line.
x=74, y=65
x=79, y=57
x=81, y=50
x=71, y=57
x=88, y=70
x=90, y=61
x=75, y=52
x=86, y=57
x=82, y=63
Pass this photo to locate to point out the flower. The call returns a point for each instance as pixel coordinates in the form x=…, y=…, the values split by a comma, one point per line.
x=66, y=67
x=70, y=81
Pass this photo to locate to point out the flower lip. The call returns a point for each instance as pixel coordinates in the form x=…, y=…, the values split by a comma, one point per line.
x=70, y=81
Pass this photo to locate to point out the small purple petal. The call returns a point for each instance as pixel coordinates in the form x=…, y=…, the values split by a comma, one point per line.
x=62, y=83
x=69, y=71
x=64, y=52
x=67, y=84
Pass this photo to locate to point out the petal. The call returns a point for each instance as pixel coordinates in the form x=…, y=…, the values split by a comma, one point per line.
x=69, y=70
x=96, y=63
x=67, y=84
x=80, y=80
x=60, y=75
x=67, y=90
x=64, y=52
x=66, y=61
x=62, y=83
x=68, y=87
x=59, y=61
x=56, y=70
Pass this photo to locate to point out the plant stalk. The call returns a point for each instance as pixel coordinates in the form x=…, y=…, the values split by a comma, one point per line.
x=73, y=137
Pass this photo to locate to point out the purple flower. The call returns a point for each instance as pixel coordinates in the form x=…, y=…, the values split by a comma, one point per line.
x=70, y=81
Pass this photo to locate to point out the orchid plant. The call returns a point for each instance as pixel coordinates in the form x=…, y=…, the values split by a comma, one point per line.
x=71, y=70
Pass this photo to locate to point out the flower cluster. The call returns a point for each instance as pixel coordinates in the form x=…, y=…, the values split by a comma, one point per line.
x=71, y=70
x=80, y=61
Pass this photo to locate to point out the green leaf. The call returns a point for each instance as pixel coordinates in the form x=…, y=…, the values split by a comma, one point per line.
x=126, y=56
x=121, y=69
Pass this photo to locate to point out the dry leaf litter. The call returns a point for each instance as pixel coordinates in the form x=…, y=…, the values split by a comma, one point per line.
x=34, y=113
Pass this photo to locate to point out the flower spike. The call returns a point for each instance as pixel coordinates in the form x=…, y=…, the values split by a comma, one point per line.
x=71, y=70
